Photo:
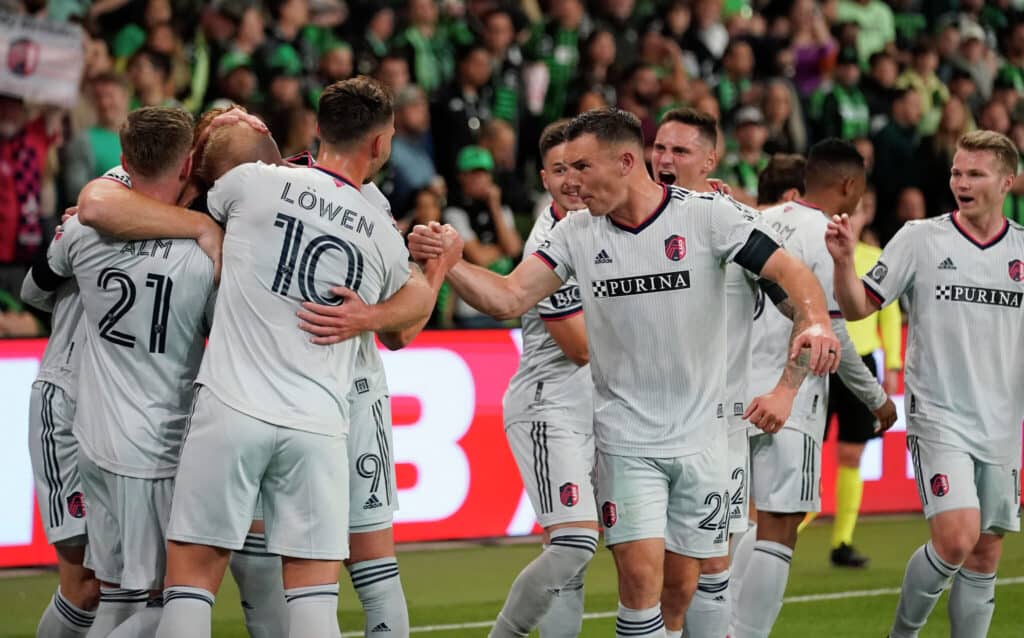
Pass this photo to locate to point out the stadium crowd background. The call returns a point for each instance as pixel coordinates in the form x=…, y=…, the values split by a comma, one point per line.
x=476, y=80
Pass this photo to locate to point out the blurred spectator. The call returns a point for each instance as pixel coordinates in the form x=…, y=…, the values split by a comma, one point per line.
x=1012, y=71
x=237, y=82
x=947, y=45
x=97, y=57
x=97, y=149
x=284, y=94
x=412, y=163
x=874, y=18
x=597, y=68
x=879, y=88
x=735, y=84
x=782, y=180
x=638, y=93
x=741, y=167
x=976, y=57
x=673, y=23
x=430, y=52
x=895, y=148
x=935, y=157
x=302, y=132
x=189, y=76
x=812, y=46
x=963, y=86
x=499, y=138
x=1013, y=208
x=869, y=208
x=844, y=111
x=24, y=144
x=485, y=224
x=393, y=72
x=15, y=321
x=507, y=63
x=707, y=36
x=371, y=44
x=783, y=119
x=664, y=56
x=910, y=205
x=288, y=22
x=462, y=107
x=994, y=117
x=922, y=78
x=626, y=19
x=251, y=31
x=556, y=43
x=149, y=73
x=1004, y=92
x=909, y=22
x=589, y=101
x=867, y=151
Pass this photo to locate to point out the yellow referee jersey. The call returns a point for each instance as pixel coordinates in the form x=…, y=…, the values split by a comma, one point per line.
x=888, y=322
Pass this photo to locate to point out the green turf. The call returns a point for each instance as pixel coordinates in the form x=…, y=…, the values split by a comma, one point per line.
x=461, y=585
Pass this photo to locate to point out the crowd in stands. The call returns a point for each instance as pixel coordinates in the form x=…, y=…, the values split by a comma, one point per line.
x=476, y=80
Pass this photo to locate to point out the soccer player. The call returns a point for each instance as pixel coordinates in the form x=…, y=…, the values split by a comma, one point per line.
x=280, y=432
x=856, y=422
x=649, y=260
x=54, y=452
x=963, y=272
x=144, y=308
x=834, y=180
x=684, y=154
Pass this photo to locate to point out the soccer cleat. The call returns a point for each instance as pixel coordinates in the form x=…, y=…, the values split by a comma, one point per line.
x=846, y=556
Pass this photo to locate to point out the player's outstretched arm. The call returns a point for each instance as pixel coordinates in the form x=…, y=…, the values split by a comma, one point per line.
x=850, y=294
x=112, y=209
x=811, y=319
x=501, y=297
x=571, y=336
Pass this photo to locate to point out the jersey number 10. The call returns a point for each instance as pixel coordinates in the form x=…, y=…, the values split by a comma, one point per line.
x=306, y=271
x=162, y=286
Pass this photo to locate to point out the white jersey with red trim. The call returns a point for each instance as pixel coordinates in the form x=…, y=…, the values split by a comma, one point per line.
x=801, y=229
x=965, y=348
x=654, y=298
x=292, y=234
x=547, y=386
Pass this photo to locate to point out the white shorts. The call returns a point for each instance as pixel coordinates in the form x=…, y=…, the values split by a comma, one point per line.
x=229, y=459
x=683, y=500
x=373, y=499
x=127, y=521
x=54, y=454
x=949, y=478
x=739, y=482
x=786, y=470
x=557, y=468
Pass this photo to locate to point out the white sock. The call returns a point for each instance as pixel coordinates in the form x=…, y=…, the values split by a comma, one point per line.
x=313, y=611
x=972, y=600
x=535, y=588
x=143, y=623
x=187, y=613
x=379, y=588
x=926, y=576
x=62, y=619
x=633, y=623
x=764, y=584
x=116, y=606
x=673, y=633
x=564, y=618
x=258, y=575
x=743, y=549
x=709, y=612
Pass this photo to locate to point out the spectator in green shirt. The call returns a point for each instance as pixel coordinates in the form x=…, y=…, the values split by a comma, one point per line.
x=735, y=84
x=429, y=50
x=922, y=78
x=876, y=22
x=844, y=112
x=556, y=43
x=1012, y=70
x=94, y=151
x=742, y=167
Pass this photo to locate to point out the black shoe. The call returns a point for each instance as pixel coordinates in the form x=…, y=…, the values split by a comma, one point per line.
x=846, y=556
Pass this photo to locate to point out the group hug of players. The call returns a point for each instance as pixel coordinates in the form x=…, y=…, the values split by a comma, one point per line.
x=658, y=391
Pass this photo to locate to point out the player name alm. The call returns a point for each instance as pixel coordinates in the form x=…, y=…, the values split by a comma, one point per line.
x=311, y=202
x=641, y=284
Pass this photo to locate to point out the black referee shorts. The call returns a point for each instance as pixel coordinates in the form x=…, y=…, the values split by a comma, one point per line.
x=856, y=422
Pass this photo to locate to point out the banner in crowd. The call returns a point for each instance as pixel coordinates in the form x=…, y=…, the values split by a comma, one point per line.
x=42, y=59
x=456, y=478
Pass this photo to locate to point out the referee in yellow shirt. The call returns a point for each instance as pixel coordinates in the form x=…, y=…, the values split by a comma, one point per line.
x=882, y=330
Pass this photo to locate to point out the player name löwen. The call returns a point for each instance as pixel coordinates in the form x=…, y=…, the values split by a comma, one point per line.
x=348, y=219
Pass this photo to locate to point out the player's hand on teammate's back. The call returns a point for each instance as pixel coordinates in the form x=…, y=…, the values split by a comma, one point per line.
x=770, y=411
x=886, y=416
x=333, y=324
x=839, y=238
x=69, y=212
x=825, y=349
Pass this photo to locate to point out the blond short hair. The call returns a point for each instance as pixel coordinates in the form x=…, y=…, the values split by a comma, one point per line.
x=1004, y=150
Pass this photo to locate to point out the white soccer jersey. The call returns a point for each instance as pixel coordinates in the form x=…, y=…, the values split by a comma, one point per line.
x=801, y=229
x=292, y=234
x=654, y=298
x=547, y=386
x=741, y=303
x=965, y=350
x=59, y=364
x=144, y=304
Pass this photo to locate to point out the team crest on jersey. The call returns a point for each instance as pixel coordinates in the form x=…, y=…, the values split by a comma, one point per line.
x=569, y=494
x=608, y=514
x=940, y=485
x=675, y=247
x=76, y=505
x=1017, y=270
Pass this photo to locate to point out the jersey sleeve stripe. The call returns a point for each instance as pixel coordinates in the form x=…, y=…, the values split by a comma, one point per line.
x=560, y=316
x=874, y=294
x=755, y=253
x=835, y=314
x=548, y=261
